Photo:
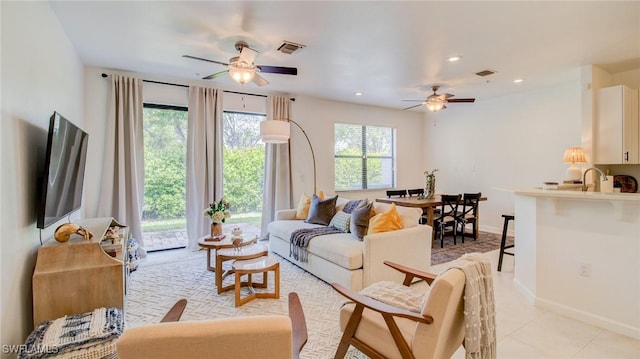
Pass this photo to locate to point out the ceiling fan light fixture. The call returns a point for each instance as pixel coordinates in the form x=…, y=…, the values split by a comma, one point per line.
x=434, y=105
x=241, y=75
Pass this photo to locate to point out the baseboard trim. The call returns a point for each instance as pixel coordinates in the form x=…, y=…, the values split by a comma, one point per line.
x=589, y=318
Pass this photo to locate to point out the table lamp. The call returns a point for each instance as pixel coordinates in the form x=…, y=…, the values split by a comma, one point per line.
x=573, y=155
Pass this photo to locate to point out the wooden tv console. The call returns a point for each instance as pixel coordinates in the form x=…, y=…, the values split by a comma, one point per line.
x=80, y=275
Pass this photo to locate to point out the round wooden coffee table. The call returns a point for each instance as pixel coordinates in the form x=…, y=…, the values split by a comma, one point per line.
x=206, y=242
x=249, y=267
x=227, y=254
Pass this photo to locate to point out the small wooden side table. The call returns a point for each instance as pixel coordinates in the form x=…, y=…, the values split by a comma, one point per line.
x=254, y=266
x=223, y=255
x=225, y=243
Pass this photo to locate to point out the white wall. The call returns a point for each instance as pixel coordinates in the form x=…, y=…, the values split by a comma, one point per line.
x=40, y=73
x=511, y=142
x=318, y=117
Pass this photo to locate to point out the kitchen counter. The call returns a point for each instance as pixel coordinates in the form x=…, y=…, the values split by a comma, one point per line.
x=596, y=196
x=578, y=254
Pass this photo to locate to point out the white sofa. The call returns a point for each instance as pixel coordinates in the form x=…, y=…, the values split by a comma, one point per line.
x=355, y=264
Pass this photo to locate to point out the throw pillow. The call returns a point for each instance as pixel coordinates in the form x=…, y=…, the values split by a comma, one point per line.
x=341, y=221
x=353, y=204
x=360, y=220
x=302, y=211
x=321, y=212
x=390, y=220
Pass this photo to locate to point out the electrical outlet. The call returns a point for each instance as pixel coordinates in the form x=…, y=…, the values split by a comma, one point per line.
x=584, y=270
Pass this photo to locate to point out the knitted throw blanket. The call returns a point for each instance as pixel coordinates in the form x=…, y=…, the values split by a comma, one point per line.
x=300, y=239
x=91, y=335
x=479, y=306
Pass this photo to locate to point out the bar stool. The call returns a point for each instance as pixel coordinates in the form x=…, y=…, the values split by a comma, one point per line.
x=503, y=246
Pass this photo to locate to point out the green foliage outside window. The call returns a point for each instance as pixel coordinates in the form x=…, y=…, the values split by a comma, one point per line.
x=165, y=163
x=364, y=164
x=165, y=141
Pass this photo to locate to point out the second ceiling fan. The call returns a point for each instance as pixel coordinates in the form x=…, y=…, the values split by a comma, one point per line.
x=437, y=102
x=242, y=68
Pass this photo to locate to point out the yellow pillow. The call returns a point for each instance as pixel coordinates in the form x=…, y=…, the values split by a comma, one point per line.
x=303, y=205
x=389, y=220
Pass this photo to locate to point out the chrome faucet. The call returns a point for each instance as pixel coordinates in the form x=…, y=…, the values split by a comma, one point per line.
x=584, y=176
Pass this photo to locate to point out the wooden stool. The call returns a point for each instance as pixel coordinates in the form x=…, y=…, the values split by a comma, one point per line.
x=258, y=265
x=503, y=242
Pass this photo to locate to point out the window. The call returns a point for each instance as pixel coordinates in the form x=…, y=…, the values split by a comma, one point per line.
x=165, y=143
x=365, y=157
x=244, y=156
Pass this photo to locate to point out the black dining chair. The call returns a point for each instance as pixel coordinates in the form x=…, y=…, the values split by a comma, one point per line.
x=469, y=214
x=417, y=191
x=397, y=193
x=448, y=216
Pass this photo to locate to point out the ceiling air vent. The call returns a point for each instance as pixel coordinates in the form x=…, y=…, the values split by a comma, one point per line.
x=484, y=73
x=289, y=47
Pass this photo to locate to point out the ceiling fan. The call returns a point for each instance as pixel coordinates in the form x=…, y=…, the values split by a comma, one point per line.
x=243, y=70
x=437, y=102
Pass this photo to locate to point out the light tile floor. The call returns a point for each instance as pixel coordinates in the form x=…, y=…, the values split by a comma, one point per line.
x=524, y=331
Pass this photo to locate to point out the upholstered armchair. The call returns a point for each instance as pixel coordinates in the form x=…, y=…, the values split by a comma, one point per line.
x=407, y=324
x=269, y=336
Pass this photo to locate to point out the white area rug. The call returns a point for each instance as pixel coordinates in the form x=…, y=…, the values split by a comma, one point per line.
x=159, y=282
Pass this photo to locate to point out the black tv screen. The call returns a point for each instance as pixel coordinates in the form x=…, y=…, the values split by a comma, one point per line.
x=63, y=175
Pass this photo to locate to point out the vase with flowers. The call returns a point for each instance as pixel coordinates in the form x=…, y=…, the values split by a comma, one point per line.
x=430, y=184
x=218, y=212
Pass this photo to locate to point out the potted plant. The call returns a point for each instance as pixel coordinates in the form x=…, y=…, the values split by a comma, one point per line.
x=430, y=184
x=218, y=212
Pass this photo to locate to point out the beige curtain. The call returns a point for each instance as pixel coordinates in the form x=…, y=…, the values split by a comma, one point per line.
x=122, y=190
x=204, y=159
x=277, y=169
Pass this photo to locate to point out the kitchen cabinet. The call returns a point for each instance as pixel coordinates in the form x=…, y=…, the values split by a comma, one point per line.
x=617, y=128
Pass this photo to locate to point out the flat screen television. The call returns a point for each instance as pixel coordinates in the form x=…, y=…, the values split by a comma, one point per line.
x=63, y=175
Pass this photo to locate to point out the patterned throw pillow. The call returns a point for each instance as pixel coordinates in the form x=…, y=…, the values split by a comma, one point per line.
x=396, y=294
x=341, y=221
x=360, y=220
x=321, y=212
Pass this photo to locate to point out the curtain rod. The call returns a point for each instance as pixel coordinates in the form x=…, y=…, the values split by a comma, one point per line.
x=181, y=85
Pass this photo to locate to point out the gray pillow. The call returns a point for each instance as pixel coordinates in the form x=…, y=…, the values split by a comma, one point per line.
x=360, y=220
x=353, y=204
x=321, y=212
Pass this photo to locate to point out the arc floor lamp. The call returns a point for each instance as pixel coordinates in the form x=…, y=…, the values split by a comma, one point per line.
x=279, y=131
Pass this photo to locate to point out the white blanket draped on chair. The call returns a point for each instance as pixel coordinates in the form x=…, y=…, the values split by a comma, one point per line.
x=479, y=306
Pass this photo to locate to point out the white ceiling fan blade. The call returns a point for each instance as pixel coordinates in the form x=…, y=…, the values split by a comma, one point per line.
x=247, y=55
x=259, y=80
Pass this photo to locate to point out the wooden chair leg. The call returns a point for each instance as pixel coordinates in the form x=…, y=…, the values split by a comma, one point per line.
x=401, y=344
x=349, y=332
x=298, y=323
x=174, y=314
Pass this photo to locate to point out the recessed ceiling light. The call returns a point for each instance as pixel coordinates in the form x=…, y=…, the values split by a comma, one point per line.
x=455, y=58
x=358, y=93
x=517, y=81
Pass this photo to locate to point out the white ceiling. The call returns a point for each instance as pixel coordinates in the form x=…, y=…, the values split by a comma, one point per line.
x=390, y=51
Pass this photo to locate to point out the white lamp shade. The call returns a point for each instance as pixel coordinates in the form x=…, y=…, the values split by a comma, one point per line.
x=275, y=131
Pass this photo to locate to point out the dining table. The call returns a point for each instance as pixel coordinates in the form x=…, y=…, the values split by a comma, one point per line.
x=428, y=205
